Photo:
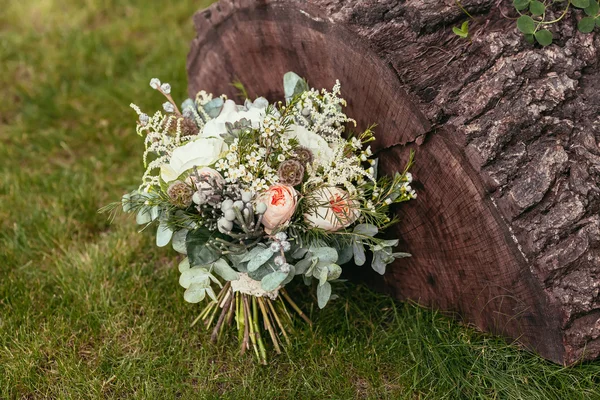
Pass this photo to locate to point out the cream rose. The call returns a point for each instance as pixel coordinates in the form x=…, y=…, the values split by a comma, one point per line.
x=231, y=112
x=199, y=153
x=333, y=209
x=281, y=203
x=322, y=153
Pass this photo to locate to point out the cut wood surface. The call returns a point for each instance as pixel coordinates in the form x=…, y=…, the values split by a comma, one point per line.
x=505, y=231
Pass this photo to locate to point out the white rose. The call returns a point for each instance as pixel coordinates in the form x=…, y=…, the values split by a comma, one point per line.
x=198, y=153
x=332, y=209
x=322, y=153
x=231, y=112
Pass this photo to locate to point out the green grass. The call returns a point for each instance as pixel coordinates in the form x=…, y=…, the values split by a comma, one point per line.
x=92, y=310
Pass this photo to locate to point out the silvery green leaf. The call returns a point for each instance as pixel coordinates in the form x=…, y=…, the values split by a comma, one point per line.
x=323, y=294
x=184, y=265
x=273, y=280
x=303, y=265
x=378, y=264
x=344, y=255
x=126, y=203
x=293, y=84
x=365, y=229
x=188, y=103
x=211, y=293
x=299, y=253
x=322, y=275
x=223, y=269
x=252, y=253
x=333, y=272
x=154, y=212
x=290, y=276
x=143, y=216
x=195, y=275
x=237, y=259
x=261, y=257
x=359, y=253
x=195, y=293
x=401, y=255
x=213, y=107
x=390, y=243
x=326, y=255
x=178, y=242
x=163, y=234
x=307, y=280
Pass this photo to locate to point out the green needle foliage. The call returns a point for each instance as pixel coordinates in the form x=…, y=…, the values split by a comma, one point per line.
x=92, y=310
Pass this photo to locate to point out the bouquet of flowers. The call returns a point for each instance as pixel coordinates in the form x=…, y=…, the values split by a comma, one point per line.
x=255, y=195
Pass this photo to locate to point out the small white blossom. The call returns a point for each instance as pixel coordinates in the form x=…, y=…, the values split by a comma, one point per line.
x=168, y=107
x=166, y=88
x=281, y=158
x=154, y=83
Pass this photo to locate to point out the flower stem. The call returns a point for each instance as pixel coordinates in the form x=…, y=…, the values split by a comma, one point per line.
x=295, y=307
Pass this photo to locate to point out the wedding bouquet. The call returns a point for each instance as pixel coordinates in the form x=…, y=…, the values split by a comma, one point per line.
x=255, y=195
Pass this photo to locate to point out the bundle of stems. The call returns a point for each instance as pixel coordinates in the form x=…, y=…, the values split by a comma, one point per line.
x=254, y=317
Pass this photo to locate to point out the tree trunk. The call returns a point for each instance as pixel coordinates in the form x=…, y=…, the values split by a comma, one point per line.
x=505, y=231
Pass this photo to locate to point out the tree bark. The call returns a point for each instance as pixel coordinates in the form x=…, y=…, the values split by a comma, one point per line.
x=505, y=231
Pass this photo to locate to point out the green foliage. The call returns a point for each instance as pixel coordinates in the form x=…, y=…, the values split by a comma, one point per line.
x=92, y=310
x=534, y=23
x=463, y=31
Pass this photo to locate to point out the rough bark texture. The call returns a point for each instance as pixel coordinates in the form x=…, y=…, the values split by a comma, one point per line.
x=506, y=230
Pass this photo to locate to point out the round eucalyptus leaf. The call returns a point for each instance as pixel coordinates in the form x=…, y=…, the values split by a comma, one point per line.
x=586, y=24
x=184, y=265
x=544, y=37
x=163, y=235
x=537, y=7
x=195, y=293
x=526, y=24
x=273, y=280
x=323, y=294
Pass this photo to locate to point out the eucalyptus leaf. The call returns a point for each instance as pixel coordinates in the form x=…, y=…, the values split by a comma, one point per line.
x=334, y=271
x=211, y=293
x=252, y=253
x=323, y=294
x=154, y=212
x=293, y=84
x=345, y=255
x=178, y=241
x=326, y=255
x=259, y=259
x=195, y=293
x=366, y=229
x=184, y=265
x=213, y=107
x=262, y=271
x=222, y=268
x=359, y=253
x=303, y=265
x=299, y=253
x=163, y=234
x=321, y=275
x=526, y=24
x=273, y=280
x=143, y=216
x=196, y=275
x=378, y=264
x=290, y=276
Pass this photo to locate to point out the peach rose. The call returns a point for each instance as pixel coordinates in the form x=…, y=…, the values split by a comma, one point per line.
x=281, y=204
x=333, y=209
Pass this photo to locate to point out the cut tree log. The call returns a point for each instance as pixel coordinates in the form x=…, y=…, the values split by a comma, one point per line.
x=505, y=231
